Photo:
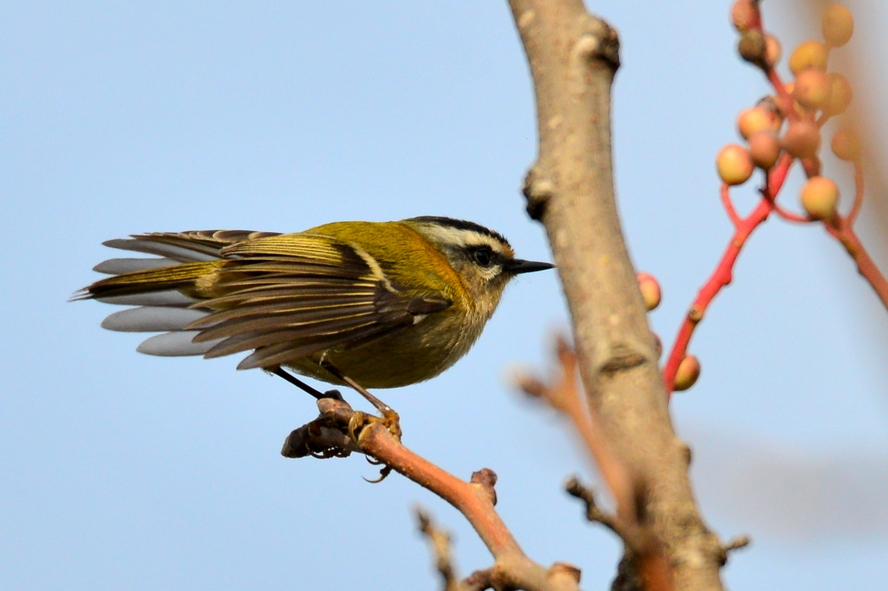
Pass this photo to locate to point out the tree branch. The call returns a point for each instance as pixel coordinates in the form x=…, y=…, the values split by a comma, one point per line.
x=573, y=57
x=628, y=488
x=358, y=432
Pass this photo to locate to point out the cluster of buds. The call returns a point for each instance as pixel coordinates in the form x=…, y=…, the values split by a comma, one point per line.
x=790, y=122
x=778, y=130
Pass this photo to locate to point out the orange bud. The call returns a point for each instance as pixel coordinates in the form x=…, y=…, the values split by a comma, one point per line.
x=734, y=164
x=840, y=95
x=820, y=196
x=687, y=374
x=802, y=139
x=812, y=88
x=764, y=148
x=837, y=25
x=846, y=145
x=773, y=51
x=650, y=290
x=759, y=118
x=810, y=54
x=744, y=15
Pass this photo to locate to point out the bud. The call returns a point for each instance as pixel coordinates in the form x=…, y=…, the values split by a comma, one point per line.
x=764, y=148
x=759, y=118
x=658, y=344
x=745, y=15
x=840, y=95
x=837, y=25
x=846, y=145
x=796, y=107
x=751, y=47
x=650, y=290
x=810, y=54
x=812, y=88
x=773, y=51
x=802, y=139
x=769, y=104
x=734, y=164
x=687, y=373
x=820, y=196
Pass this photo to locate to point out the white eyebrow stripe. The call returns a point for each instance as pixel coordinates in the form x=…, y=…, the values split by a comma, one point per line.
x=461, y=236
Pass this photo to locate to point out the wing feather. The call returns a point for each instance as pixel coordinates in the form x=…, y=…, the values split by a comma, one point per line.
x=283, y=296
x=291, y=296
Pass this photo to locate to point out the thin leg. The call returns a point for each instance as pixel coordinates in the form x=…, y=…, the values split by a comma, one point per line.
x=281, y=372
x=376, y=402
x=389, y=417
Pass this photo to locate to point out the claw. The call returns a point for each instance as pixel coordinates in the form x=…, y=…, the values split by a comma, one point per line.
x=390, y=420
x=383, y=474
x=358, y=421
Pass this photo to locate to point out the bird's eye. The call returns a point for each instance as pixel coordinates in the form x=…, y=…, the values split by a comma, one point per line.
x=483, y=256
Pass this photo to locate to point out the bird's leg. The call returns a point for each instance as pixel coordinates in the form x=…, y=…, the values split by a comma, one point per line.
x=281, y=372
x=389, y=417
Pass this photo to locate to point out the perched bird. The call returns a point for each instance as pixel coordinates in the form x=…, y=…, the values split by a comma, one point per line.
x=382, y=304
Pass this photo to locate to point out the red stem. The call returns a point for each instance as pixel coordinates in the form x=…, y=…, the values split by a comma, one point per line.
x=724, y=271
x=729, y=206
x=858, y=193
x=784, y=99
x=840, y=228
x=790, y=216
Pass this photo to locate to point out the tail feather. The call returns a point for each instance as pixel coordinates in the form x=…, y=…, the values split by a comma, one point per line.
x=127, y=265
x=164, y=288
x=169, y=298
x=174, y=344
x=151, y=319
x=179, y=253
x=179, y=276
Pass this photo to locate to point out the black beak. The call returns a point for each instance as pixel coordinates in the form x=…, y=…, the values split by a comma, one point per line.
x=517, y=266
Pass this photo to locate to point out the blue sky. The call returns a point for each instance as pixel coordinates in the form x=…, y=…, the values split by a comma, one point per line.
x=123, y=471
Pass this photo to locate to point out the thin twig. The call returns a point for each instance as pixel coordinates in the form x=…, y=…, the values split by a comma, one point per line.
x=440, y=542
x=628, y=489
x=564, y=394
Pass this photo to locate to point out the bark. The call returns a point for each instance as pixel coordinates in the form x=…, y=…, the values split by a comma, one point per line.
x=573, y=57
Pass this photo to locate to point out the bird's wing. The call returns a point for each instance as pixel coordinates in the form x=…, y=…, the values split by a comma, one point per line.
x=181, y=247
x=294, y=295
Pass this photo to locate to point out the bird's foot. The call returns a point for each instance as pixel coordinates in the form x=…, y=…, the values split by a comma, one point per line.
x=389, y=419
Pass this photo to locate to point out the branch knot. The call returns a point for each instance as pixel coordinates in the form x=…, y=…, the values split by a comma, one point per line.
x=538, y=190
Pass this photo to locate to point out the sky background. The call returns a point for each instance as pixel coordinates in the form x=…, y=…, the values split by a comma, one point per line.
x=123, y=471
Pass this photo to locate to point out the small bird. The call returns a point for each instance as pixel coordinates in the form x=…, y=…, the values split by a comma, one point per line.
x=379, y=304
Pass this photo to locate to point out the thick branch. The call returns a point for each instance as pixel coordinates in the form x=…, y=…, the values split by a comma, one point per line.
x=573, y=57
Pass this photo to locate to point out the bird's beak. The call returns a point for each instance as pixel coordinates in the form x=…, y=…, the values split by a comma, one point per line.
x=517, y=266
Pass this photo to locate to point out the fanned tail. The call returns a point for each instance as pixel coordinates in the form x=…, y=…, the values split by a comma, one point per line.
x=163, y=287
